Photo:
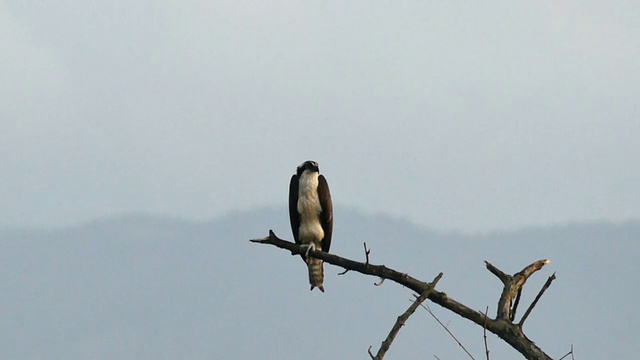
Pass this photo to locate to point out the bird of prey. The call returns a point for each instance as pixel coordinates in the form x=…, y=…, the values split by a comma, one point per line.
x=311, y=215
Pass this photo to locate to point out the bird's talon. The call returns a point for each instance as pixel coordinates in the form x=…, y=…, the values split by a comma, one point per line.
x=309, y=248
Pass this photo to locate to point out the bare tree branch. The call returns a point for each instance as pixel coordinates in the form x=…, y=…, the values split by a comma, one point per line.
x=380, y=271
x=535, y=301
x=501, y=326
x=512, y=285
x=497, y=272
x=384, y=347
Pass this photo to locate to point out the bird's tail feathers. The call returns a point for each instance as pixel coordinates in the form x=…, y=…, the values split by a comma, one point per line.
x=316, y=273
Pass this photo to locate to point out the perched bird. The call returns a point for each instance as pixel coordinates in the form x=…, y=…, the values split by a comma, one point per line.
x=311, y=215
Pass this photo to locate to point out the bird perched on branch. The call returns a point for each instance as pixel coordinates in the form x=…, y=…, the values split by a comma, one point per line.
x=311, y=215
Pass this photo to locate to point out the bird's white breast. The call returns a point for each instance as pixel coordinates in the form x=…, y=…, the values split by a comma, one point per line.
x=309, y=208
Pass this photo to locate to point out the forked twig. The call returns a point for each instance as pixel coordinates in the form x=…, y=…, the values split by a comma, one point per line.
x=512, y=286
x=569, y=353
x=366, y=253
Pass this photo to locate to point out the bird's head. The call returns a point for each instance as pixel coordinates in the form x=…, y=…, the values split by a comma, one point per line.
x=308, y=165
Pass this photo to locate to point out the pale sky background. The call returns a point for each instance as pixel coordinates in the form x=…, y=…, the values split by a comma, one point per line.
x=457, y=115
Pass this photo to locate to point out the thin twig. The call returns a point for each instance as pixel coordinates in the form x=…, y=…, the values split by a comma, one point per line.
x=447, y=329
x=565, y=355
x=370, y=353
x=535, y=301
x=486, y=347
x=366, y=253
x=403, y=318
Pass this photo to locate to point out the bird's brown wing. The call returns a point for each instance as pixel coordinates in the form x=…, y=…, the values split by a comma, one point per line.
x=294, y=216
x=326, y=216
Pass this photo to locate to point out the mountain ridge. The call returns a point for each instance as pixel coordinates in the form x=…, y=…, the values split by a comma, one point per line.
x=140, y=218
x=147, y=287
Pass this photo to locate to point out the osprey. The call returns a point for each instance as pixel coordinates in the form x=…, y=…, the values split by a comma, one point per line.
x=311, y=215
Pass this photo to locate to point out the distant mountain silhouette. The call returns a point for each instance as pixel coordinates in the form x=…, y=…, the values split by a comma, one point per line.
x=138, y=286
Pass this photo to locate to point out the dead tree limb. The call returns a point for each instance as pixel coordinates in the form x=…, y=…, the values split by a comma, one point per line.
x=502, y=326
x=512, y=286
x=535, y=301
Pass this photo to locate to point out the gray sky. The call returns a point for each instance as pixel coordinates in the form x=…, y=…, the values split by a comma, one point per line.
x=456, y=116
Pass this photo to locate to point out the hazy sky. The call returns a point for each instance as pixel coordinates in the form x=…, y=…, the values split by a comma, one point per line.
x=455, y=115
